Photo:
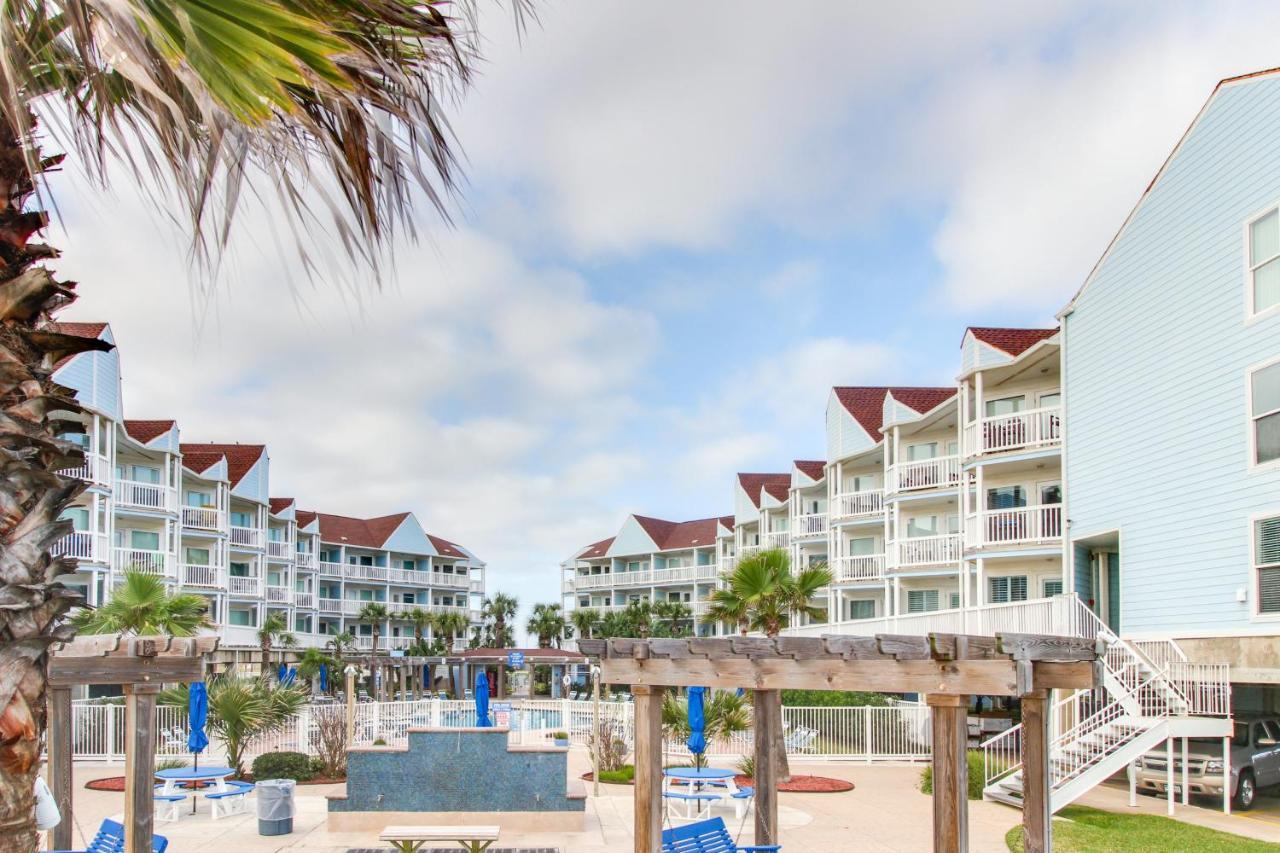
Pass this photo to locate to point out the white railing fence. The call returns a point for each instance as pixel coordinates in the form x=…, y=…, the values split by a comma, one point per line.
x=895, y=733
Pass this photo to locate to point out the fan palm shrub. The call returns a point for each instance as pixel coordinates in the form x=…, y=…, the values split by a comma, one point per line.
x=241, y=709
x=143, y=605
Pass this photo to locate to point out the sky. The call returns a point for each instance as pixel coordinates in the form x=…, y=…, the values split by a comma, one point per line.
x=682, y=224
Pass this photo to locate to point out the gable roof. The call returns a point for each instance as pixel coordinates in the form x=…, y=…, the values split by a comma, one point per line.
x=812, y=469
x=727, y=522
x=597, y=549
x=145, y=431
x=753, y=483
x=361, y=532
x=446, y=548
x=78, y=330
x=305, y=517
x=198, y=460
x=1012, y=341
x=279, y=505
x=240, y=457
x=866, y=402
x=671, y=535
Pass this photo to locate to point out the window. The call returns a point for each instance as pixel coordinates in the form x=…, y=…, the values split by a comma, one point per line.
x=1264, y=262
x=144, y=540
x=1264, y=398
x=241, y=519
x=409, y=565
x=239, y=570
x=1049, y=401
x=144, y=474
x=1006, y=497
x=925, y=525
x=195, y=498
x=1266, y=561
x=635, y=566
x=864, y=609
x=196, y=556
x=955, y=601
x=922, y=600
x=864, y=482
x=1013, y=588
x=78, y=515
x=240, y=617
x=862, y=547
x=918, y=452
x=275, y=534
x=1052, y=588
x=1005, y=406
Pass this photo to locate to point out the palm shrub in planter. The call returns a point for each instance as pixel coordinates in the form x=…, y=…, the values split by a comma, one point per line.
x=561, y=738
x=282, y=765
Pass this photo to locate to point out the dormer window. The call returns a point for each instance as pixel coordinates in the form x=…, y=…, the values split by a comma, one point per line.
x=1264, y=263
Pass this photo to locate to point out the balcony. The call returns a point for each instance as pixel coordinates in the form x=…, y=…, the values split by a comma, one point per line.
x=82, y=545
x=866, y=504
x=809, y=526
x=449, y=579
x=333, y=570
x=150, y=496
x=280, y=550
x=202, y=518
x=305, y=600
x=1029, y=525
x=334, y=606
x=279, y=595
x=210, y=577
x=1029, y=430
x=384, y=643
x=241, y=585
x=941, y=472
x=860, y=567
x=135, y=560
x=776, y=539
x=305, y=560
x=926, y=551
x=476, y=586
x=95, y=470
x=246, y=537
x=355, y=572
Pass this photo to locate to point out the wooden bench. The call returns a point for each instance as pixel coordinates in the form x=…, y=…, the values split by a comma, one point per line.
x=409, y=839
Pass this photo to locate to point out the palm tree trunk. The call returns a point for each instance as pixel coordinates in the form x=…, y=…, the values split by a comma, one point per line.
x=33, y=410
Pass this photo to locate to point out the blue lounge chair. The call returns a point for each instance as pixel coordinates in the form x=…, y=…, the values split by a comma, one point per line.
x=707, y=836
x=110, y=839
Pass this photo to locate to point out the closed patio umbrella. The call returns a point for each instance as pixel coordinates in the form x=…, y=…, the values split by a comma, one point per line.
x=697, y=724
x=482, y=701
x=324, y=678
x=197, y=716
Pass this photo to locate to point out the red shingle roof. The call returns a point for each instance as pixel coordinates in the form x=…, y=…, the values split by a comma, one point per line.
x=446, y=548
x=726, y=521
x=305, y=517
x=361, y=532
x=198, y=460
x=279, y=505
x=145, y=431
x=753, y=483
x=240, y=457
x=866, y=402
x=1012, y=341
x=597, y=549
x=79, y=330
x=812, y=469
x=670, y=535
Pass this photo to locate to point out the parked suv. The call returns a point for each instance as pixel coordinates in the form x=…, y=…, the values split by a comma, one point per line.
x=1255, y=763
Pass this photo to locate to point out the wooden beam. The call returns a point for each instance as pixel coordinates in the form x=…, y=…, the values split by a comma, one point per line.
x=766, y=722
x=1042, y=647
x=949, y=716
x=60, y=767
x=1037, y=817
x=648, y=764
x=139, y=766
x=71, y=671
x=90, y=645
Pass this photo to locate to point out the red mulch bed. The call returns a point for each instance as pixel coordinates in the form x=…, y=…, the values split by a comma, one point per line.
x=797, y=785
x=116, y=783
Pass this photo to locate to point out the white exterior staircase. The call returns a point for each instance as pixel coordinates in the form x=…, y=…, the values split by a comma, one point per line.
x=1150, y=693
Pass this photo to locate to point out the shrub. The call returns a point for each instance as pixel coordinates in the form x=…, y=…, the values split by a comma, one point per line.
x=379, y=741
x=559, y=735
x=317, y=765
x=330, y=740
x=833, y=698
x=623, y=775
x=975, y=776
x=282, y=765
x=171, y=763
x=612, y=744
x=747, y=766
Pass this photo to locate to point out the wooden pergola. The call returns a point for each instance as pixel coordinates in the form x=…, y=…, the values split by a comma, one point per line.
x=946, y=668
x=142, y=665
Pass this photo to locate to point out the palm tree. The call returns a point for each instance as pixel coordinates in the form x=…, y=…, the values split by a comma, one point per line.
x=311, y=661
x=451, y=624
x=674, y=619
x=584, y=621
x=373, y=614
x=639, y=614
x=548, y=624
x=274, y=629
x=726, y=607
x=340, y=100
x=724, y=715
x=498, y=611
x=340, y=644
x=241, y=708
x=763, y=593
x=422, y=620
x=144, y=605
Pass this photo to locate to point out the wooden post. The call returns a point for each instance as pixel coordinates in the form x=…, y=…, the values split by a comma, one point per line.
x=351, y=705
x=648, y=758
x=404, y=682
x=502, y=680
x=139, y=766
x=1037, y=816
x=59, y=740
x=950, y=772
x=595, y=730
x=766, y=721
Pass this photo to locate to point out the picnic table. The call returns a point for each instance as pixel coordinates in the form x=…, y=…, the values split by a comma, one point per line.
x=702, y=786
x=175, y=777
x=409, y=839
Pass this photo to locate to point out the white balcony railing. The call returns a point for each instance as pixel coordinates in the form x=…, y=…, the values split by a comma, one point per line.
x=329, y=605
x=858, y=504
x=202, y=576
x=926, y=550
x=305, y=559
x=364, y=573
x=449, y=579
x=331, y=569
x=676, y=574
x=134, y=495
x=135, y=560
x=279, y=550
x=1020, y=430
x=94, y=470
x=241, y=585
x=1062, y=614
x=1017, y=526
x=78, y=544
x=940, y=472
x=806, y=526
x=201, y=517
x=305, y=600
x=776, y=539
x=279, y=594
x=861, y=567
x=248, y=537
x=476, y=586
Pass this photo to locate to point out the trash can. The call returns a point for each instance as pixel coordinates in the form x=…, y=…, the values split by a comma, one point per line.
x=275, y=806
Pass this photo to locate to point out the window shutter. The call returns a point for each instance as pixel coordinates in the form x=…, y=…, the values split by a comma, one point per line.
x=999, y=590
x=1267, y=534
x=1269, y=590
x=1018, y=588
x=1052, y=588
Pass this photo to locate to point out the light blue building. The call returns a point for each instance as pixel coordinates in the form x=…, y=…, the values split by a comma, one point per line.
x=1171, y=380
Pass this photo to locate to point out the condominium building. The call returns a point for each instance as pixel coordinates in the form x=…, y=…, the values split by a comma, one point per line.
x=200, y=515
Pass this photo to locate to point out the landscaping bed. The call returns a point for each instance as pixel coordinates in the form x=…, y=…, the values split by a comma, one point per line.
x=1077, y=829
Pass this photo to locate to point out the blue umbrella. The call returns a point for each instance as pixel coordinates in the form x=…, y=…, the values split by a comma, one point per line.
x=324, y=678
x=282, y=673
x=291, y=676
x=197, y=716
x=482, y=702
x=697, y=724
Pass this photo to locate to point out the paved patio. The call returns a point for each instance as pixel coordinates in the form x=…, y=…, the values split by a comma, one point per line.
x=885, y=812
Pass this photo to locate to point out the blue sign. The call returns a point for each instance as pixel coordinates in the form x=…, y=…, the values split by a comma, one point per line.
x=515, y=660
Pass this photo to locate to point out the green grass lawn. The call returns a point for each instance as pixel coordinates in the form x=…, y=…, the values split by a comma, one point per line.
x=1084, y=829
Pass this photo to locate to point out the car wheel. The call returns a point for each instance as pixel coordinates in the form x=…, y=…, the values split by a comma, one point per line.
x=1246, y=791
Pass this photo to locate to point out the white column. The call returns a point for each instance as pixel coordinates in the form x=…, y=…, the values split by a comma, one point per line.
x=1186, y=788
x=1168, y=775
x=1132, y=772
x=1226, y=775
